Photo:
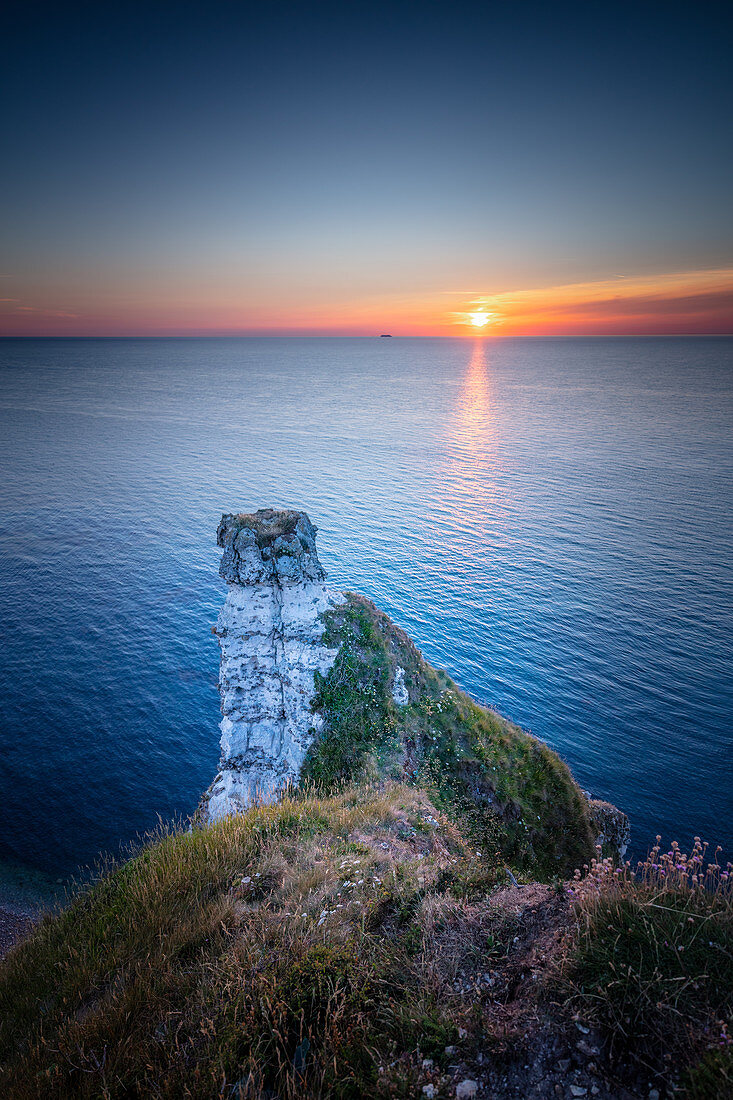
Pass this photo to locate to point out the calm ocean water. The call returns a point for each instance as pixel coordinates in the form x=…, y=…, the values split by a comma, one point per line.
x=551, y=520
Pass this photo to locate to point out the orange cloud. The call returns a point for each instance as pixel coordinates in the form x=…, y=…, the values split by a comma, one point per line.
x=691, y=301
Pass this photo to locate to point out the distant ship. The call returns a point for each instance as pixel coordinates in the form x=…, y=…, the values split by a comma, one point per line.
x=385, y=336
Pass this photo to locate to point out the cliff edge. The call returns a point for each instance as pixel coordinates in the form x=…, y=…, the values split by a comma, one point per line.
x=395, y=923
x=322, y=688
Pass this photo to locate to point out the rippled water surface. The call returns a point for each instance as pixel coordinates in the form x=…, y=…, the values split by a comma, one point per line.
x=549, y=519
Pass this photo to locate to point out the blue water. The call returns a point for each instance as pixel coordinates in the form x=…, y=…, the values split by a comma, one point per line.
x=551, y=520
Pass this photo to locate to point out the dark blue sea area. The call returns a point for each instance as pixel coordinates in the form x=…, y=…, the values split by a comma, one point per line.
x=550, y=519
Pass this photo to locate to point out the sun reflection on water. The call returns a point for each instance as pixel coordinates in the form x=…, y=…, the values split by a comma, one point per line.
x=468, y=478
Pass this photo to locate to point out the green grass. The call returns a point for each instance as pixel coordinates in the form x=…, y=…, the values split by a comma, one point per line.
x=654, y=967
x=513, y=796
x=711, y=1078
x=358, y=738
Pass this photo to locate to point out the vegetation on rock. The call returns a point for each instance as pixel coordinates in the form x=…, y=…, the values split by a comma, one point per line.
x=267, y=524
x=359, y=937
x=511, y=794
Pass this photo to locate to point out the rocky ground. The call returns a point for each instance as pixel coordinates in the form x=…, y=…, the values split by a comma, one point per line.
x=14, y=926
x=519, y=1042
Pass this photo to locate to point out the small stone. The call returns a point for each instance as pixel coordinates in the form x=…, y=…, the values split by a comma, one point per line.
x=578, y=1090
x=428, y=1091
x=585, y=1048
x=450, y=1050
x=427, y=1063
x=594, y=1090
x=563, y=1065
x=653, y=1094
x=462, y=1033
x=582, y=1028
x=466, y=1089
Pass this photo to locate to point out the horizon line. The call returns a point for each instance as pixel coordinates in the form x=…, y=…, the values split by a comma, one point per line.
x=355, y=336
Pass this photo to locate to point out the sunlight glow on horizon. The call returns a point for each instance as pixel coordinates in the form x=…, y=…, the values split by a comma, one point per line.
x=229, y=176
x=681, y=301
x=180, y=304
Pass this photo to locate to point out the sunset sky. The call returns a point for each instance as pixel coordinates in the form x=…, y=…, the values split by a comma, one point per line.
x=354, y=168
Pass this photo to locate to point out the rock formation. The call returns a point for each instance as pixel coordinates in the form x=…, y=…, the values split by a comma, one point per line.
x=612, y=826
x=376, y=710
x=270, y=634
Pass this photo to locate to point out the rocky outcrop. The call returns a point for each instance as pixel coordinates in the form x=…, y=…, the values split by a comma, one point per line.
x=270, y=633
x=612, y=826
x=326, y=687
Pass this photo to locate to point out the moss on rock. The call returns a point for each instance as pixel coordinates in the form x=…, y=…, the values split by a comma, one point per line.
x=513, y=795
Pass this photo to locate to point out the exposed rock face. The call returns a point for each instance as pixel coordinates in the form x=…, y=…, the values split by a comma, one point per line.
x=400, y=693
x=612, y=825
x=376, y=716
x=270, y=632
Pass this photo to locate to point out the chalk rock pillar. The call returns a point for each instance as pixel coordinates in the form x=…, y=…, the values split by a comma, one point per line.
x=270, y=634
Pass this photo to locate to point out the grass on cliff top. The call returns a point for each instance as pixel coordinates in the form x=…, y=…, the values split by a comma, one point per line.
x=283, y=953
x=653, y=966
x=512, y=794
x=268, y=524
x=356, y=946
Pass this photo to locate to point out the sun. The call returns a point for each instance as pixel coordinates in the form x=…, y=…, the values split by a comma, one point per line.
x=479, y=319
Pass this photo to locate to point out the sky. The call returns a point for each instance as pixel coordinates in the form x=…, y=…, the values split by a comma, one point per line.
x=357, y=168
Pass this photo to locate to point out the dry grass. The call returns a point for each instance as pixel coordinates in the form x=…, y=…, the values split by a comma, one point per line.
x=268, y=524
x=273, y=951
x=357, y=945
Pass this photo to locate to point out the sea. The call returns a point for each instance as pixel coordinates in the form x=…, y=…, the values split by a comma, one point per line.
x=551, y=520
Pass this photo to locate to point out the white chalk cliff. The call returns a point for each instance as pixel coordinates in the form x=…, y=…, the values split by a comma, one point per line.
x=270, y=633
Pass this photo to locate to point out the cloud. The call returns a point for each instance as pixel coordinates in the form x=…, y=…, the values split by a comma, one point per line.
x=694, y=301
x=38, y=311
